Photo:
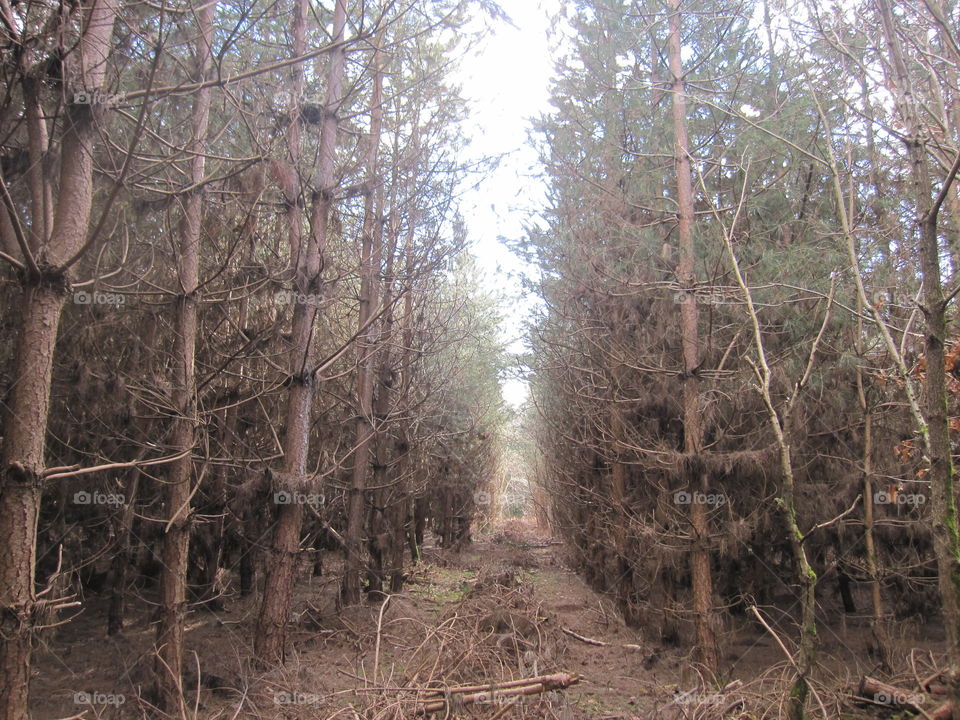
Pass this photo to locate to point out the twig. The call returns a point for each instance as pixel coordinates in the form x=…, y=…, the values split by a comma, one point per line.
x=581, y=638
x=831, y=522
x=53, y=474
x=376, y=651
x=753, y=609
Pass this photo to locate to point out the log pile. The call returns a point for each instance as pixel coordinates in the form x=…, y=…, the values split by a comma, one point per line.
x=440, y=700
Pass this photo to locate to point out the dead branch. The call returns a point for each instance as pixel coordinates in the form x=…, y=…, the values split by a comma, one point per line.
x=581, y=638
x=493, y=692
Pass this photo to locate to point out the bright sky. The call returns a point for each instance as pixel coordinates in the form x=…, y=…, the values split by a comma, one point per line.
x=507, y=81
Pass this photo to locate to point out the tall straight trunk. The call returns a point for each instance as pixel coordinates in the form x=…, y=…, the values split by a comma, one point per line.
x=116, y=613
x=881, y=637
x=370, y=256
x=703, y=611
x=385, y=489
x=404, y=516
x=44, y=294
x=285, y=543
x=23, y=463
x=212, y=535
x=121, y=560
x=178, y=490
x=946, y=541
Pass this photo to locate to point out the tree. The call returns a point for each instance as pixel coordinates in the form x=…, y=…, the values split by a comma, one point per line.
x=179, y=489
x=368, y=347
x=690, y=341
x=936, y=433
x=47, y=251
x=278, y=588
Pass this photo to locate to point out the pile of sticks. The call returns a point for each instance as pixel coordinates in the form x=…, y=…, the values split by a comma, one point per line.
x=503, y=693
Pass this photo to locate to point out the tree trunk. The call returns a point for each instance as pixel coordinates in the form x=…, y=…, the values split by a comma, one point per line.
x=405, y=514
x=367, y=345
x=946, y=540
x=879, y=624
x=23, y=464
x=178, y=491
x=880, y=636
x=285, y=544
x=44, y=294
x=703, y=610
x=121, y=561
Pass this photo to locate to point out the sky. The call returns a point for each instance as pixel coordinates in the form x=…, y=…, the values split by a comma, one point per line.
x=506, y=80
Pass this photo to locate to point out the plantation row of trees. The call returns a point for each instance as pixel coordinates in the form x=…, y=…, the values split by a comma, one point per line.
x=242, y=325
x=745, y=369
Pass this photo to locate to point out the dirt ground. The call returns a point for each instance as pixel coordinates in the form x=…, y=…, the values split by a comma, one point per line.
x=508, y=607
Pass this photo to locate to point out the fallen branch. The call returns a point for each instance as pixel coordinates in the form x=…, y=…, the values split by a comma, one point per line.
x=581, y=638
x=495, y=692
x=598, y=643
x=881, y=693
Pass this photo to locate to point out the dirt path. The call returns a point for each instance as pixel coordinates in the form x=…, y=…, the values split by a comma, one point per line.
x=616, y=681
x=497, y=611
x=491, y=613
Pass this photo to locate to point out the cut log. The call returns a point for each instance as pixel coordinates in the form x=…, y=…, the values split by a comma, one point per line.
x=496, y=693
x=881, y=693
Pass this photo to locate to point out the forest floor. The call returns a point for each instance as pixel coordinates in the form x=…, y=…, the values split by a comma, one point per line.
x=499, y=610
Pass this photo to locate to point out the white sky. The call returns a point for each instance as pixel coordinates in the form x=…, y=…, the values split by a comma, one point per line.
x=506, y=80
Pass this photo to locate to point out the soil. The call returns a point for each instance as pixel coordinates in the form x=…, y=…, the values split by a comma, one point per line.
x=509, y=606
